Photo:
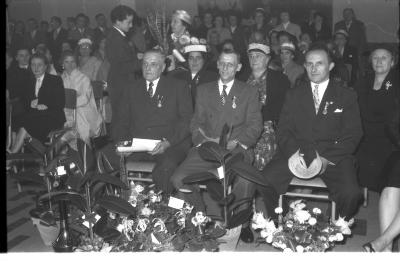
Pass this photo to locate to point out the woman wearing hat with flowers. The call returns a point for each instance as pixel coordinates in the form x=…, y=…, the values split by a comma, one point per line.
x=180, y=37
x=289, y=66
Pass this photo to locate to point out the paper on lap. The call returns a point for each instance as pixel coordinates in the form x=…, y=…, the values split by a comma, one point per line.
x=137, y=145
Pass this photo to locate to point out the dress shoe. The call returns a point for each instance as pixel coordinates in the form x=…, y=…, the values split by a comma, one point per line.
x=246, y=235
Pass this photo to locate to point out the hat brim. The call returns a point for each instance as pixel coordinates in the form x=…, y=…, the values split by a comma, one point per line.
x=306, y=173
x=195, y=48
x=257, y=50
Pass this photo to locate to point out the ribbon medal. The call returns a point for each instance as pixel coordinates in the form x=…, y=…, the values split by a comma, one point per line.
x=234, y=99
x=325, y=111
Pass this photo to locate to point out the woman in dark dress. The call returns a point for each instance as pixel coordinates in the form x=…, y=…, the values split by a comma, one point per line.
x=378, y=100
x=44, y=103
x=379, y=151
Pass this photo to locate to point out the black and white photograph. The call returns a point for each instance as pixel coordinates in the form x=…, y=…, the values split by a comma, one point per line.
x=256, y=127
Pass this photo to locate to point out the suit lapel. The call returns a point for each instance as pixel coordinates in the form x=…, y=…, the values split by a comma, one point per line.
x=308, y=97
x=329, y=96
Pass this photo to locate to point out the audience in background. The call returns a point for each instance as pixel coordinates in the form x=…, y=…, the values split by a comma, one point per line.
x=219, y=28
x=287, y=25
x=101, y=29
x=33, y=35
x=56, y=37
x=320, y=30
x=81, y=29
x=290, y=68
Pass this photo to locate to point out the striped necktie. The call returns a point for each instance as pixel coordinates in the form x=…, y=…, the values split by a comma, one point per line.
x=223, y=94
x=150, y=90
x=316, y=98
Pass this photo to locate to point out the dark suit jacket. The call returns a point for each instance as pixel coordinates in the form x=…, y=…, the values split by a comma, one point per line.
x=350, y=56
x=56, y=44
x=52, y=95
x=203, y=76
x=98, y=34
x=123, y=61
x=277, y=85
x=210, y=115
x=40, y=37
x=334, y=132
x=141, y=117
x=357, y=35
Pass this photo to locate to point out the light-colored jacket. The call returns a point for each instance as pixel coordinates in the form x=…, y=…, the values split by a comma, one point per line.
x=88, y=119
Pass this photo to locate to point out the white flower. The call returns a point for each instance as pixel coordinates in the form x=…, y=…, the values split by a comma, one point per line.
x=202, y=41
x=259, y=221
x=300, y=249
x=339, y=237
x=139, y=188
x=301, y=216
x=344, y=225
x=332, y=238
x=146, y=211
x=289, y=224
x=264, y=234
x=194, y=40
x=312, y=221
x=278, y=210
x=142, y=224
x=199, y=219
x=316, y=211
x=269, y=239
x=112, y=215
x=388, y=85
x=297, y=205
x=184, y=39
x=287, y=250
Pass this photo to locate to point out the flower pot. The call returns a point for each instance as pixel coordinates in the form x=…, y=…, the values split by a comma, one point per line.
x=230, y=240
x=47, y=233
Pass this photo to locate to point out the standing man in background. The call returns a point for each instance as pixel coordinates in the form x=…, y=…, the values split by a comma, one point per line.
x=123, y=62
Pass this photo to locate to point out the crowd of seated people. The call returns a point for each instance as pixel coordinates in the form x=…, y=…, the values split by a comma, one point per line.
x=183, y=101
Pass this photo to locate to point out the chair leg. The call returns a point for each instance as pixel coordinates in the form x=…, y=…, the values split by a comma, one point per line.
x=365, y=192
x=333, y=213
x=280, y=203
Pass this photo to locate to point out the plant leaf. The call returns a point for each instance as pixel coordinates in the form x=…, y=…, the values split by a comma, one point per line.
x=247, y=171
x=109, y=179
x=67, y=195
x=239, y=218
x=215, y=189
x=116, y=204
x=212, y=151
x=223, y=138
x=199, y=177
x=25, y=156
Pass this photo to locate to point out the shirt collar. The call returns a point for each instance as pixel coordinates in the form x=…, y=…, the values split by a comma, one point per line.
x=120, y=31
x=228, y=88
x=41, y=78
x=321, y=88
x=286, y=24
x=155, y=83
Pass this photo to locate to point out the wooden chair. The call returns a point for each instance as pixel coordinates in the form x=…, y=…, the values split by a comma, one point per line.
x=315, y=183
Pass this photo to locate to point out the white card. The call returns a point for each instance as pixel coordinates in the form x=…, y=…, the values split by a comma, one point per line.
x=61, y=171
x=221, y=173
x=175, y=203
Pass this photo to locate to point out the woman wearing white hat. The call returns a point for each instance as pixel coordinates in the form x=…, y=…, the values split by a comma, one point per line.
x=289, y=66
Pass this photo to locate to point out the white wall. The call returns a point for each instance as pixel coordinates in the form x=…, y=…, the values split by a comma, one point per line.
x=381, y=17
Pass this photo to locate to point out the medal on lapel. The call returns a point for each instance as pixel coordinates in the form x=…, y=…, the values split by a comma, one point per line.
x=325, y=111
x=159, y=101
x=234, y=99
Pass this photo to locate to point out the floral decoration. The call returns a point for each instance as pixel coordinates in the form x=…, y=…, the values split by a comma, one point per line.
x=301, y=230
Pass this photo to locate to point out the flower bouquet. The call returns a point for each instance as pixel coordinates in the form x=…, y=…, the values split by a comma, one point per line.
x=301, y=230
x=155, y=227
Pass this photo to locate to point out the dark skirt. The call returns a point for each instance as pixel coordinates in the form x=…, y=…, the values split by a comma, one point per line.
x=391, y=171
x=39, y=124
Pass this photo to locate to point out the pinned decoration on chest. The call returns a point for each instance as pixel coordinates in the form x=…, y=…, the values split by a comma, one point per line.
x=327, y=104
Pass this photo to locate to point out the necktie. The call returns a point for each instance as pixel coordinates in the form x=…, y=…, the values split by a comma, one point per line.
x=55, y=34
x=37, y=86
x=316, y=98
x=223, y=94
x=150, y=90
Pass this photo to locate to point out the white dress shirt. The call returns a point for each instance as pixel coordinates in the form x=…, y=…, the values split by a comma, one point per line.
x=228, y=86
x=321, y=88
x=155, y=83
x=38, y=85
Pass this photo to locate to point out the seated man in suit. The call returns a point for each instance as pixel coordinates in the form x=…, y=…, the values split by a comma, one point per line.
x=318, y=116
x=226, y=101
x=156, y=107
x=346, y=54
